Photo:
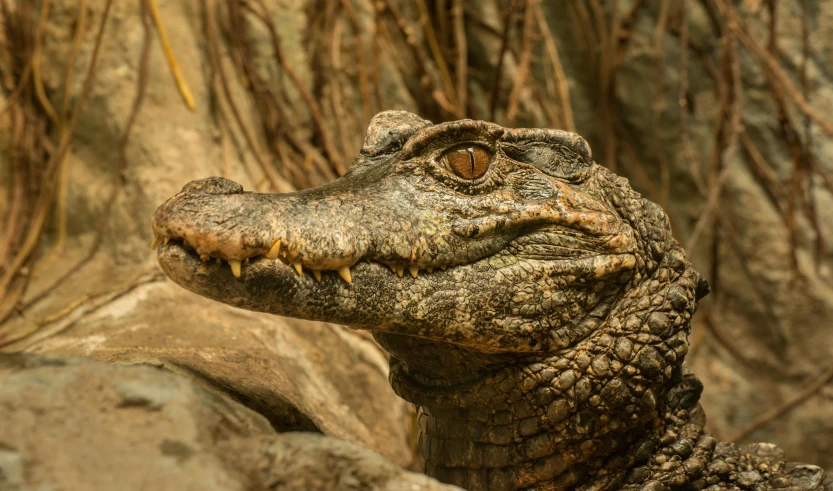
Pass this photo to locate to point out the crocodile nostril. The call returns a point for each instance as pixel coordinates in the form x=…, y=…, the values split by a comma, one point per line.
x=213, y=185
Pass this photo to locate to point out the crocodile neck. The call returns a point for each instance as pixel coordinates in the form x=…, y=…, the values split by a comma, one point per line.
x=511, y=426
x=589, y=413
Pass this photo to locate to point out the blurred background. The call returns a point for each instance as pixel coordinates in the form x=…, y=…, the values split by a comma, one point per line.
x=719, y=110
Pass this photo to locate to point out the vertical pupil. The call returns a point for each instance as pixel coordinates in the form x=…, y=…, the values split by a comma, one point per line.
x=468, y=163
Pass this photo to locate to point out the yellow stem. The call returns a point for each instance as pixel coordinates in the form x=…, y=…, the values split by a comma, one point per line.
x=169, y=53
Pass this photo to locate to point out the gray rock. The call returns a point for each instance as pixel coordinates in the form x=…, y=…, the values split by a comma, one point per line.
x=78, y=424
x=306, y=461
x=75, y=424
x=11, y=470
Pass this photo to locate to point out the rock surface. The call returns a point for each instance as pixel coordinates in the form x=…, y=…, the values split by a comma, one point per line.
x=300, y=376
x=82, y=425
x=117, y=308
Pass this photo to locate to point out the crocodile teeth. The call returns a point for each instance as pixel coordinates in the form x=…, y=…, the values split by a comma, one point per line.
x=345, y=274
x=155, y=243
x=204, y=257
x=235, y=267
x=400, y=270
x=430, y=270
x=166, y=240
x=297, y=266
x=443, y=267
x=273, y=252
x=317, y=274
x=414, y=271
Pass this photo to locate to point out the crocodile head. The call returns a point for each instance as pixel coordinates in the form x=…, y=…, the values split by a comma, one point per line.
x=526, y=294
x=464, y=232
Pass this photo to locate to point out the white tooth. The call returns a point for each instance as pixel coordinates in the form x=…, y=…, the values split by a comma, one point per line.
x=414, y=271
x=297, y=266
x=400, y=270
x=317, y=274
x=235, y=267
x=345, y=274
x=155, y=243
x=430, y=270
x=273, y=252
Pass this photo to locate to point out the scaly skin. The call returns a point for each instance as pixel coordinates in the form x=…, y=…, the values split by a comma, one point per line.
x=538, y=314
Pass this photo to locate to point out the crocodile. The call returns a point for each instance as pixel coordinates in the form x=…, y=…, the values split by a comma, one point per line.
x=535, y=307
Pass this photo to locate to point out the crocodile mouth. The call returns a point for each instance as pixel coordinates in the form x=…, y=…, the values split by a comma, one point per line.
x=274, y=258
x=433, y=305
x=569, y=245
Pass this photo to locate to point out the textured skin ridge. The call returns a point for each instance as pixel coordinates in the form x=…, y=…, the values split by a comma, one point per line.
x=543, y=323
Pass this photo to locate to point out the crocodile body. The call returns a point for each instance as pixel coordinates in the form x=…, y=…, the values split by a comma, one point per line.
x=536, y=308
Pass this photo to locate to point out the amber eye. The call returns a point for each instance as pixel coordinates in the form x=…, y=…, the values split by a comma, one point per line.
x=468, y=162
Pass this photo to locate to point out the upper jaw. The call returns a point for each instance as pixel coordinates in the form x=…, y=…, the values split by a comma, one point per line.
x=316, y=232
x=328, y=229
x=396, y=223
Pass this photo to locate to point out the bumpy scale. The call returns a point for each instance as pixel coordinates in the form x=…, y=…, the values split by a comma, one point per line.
x=544, y=323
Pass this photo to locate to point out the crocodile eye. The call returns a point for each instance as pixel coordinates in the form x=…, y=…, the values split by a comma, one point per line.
x=468, y=162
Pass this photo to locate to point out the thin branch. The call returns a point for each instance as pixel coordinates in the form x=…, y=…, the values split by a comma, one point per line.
x=312, y=104
x=361, y=61
x=462, y=57
x=436, y=51
x=498, y=74
x=787, y=406
x=36, y=67
x=39, y=220
x=278, y=182
x=559, y=75
x=523, y=68
x=778, y=74
x=712, y=326
x=63, y=183
x=120, y=170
